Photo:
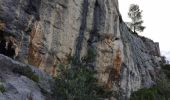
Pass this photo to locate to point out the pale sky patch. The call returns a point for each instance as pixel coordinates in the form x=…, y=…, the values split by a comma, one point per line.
x=156, y=16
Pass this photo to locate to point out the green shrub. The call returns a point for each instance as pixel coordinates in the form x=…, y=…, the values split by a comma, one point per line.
x=77, y=83
x=154, y=93
x=34, y=77
x=166, y=70
x=147, y=94
x=91, y=56
x=2, y=88
x=159, y=92
x=27, y=71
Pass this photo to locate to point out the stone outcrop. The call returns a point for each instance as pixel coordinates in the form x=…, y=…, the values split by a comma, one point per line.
x=141, y=62
x=49, y=32
x=19, y=85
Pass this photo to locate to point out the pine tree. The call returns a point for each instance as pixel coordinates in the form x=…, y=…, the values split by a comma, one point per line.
x=136, y=16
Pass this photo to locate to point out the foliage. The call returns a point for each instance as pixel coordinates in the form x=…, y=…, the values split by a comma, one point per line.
x=2, y=88
x=77, y=83
x=166, y=70
x=27, y=71
x=91, y=56
x=34, y=77
x=145, y=94
x=159, y=92
x=154, y=93
x=136, y=15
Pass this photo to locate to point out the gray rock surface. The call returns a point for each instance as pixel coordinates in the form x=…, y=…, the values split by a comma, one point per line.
x=20, y=87
x=141, y=62
x=48, y=32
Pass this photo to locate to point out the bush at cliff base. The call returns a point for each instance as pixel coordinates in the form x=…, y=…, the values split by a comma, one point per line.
x=78, y=83
x=159, y=92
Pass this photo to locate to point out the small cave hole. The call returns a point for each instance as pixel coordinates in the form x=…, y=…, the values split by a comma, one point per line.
x=116, y=38
x=7, y=45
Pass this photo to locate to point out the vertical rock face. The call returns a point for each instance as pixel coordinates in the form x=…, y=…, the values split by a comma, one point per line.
x=141, y=62
x=48, y=32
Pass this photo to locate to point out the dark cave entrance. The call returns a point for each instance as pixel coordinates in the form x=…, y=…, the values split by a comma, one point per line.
x=6, y=45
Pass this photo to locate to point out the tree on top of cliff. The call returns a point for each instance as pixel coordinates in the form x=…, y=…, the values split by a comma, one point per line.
x=136, y=16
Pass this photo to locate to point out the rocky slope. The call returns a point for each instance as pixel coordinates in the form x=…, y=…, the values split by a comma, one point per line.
x=19, y=83
x=49, y=32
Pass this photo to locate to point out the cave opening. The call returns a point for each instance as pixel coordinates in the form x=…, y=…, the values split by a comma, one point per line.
x=7, y=45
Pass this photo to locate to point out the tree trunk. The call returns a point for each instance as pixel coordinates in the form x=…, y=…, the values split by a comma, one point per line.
x=134, y=29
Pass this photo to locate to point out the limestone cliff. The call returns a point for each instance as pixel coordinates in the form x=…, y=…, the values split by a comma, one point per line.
x=48, y=32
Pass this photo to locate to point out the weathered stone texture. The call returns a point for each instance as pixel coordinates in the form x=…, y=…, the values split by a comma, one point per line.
x=50, y=31
x=20, y=87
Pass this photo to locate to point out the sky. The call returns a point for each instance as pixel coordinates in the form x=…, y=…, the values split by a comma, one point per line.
x=156, y=16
